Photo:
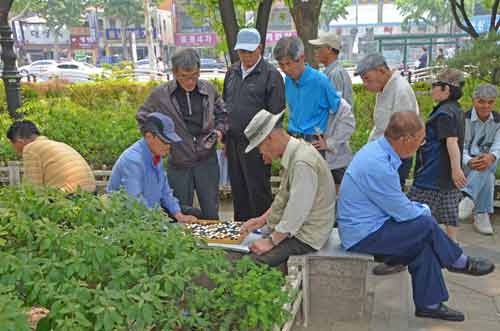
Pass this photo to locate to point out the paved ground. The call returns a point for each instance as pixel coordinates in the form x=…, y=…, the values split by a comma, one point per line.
x=393, y=309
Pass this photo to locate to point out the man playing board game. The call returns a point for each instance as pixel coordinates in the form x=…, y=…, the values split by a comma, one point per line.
x=302, y=214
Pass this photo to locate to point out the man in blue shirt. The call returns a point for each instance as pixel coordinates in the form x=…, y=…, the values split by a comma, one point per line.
x=310, y=94
x=374, y=216
x=139, y=170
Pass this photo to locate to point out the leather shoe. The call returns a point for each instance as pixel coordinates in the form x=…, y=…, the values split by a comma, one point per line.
x=475, y=267
x=385, y=269
x=442, y=312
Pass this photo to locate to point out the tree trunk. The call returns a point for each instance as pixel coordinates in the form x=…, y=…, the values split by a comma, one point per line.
x=263, y=13
x=306, y=18
x=123, y=36
x=228, y=16
x=380, y=11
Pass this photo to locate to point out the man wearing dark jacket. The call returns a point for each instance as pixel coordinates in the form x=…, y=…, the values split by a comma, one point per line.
x=249, y=86
x=200, y=120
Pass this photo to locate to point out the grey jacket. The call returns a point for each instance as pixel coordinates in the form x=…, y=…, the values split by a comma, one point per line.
x=190, y=150
x=340, y=127
x=340, y=80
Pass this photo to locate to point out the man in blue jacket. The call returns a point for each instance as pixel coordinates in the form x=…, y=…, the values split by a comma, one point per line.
x=140, y=172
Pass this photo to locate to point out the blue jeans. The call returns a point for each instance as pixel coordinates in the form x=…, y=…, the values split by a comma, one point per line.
x=481, y=188
x=421, y=245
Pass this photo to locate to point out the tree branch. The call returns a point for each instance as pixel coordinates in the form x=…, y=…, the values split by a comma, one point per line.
x=468, y=26
x=493, y=23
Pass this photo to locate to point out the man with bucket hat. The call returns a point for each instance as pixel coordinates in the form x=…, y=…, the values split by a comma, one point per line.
x=140, y=172
x=302, y=214
x=250, y=85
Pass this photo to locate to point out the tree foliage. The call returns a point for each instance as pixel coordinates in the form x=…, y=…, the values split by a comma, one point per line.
x=333, y=10
x=481, y=59
x=427, y=12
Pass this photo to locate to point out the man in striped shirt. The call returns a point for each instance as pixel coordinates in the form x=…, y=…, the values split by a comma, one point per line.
x=50, y=163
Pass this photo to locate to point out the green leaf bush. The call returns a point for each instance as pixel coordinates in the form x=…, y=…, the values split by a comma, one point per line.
x=108, y=263
x=98, y=119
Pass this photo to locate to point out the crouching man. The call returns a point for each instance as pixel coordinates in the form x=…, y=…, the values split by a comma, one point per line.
x=302, y=214
x=140, y=172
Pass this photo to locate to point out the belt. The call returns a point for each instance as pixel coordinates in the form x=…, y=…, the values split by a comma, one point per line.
x=305, y=136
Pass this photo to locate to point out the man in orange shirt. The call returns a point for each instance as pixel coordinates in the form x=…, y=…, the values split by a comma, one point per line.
x=50, y=163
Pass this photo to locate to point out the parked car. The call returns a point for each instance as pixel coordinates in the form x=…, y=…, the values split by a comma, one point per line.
x=37, y=67
x=206, y=63
x=73, y=71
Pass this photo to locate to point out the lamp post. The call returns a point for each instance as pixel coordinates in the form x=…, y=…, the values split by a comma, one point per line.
x=11, y=77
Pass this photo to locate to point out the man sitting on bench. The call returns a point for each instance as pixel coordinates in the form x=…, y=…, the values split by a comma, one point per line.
x=375, y=217
x=302, y=213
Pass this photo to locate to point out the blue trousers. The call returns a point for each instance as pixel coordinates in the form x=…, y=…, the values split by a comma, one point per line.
x=481, y=188
x=421, y=245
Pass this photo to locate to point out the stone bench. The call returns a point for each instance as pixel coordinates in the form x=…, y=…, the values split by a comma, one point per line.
x=334, y=283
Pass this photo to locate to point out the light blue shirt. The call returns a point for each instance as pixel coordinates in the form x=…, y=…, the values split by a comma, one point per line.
x=370, y=194
x=310, y=101
x=480, y=130
x=135, y=173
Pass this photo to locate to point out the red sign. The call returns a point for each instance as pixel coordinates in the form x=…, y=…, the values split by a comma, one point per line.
x=82, y=42
x=272, y=37
x=208, y=39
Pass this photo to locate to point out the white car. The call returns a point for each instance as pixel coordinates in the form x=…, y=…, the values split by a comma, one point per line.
x=73, y=71
x=37, y=67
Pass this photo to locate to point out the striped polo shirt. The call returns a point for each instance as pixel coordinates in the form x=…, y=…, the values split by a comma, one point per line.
x=55, y=164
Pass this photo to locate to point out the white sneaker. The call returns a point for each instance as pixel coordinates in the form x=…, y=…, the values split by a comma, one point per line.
x=465, y=208
x=482, y=223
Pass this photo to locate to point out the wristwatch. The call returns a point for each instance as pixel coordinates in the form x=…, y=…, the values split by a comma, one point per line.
x=271, y=239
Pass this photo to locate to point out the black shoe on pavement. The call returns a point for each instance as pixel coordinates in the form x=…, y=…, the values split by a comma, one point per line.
x=442, y=312
x=385, y=269
x=475, y=267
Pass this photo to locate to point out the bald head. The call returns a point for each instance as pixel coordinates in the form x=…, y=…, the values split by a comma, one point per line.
x=403, y=123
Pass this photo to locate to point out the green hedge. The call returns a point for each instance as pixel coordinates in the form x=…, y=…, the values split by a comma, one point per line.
x=112, y=264
x=98, y=119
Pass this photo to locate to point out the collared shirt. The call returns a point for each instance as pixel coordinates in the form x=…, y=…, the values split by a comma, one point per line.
x=341, y=80
x=479, y=130
x=246, y=72
x=302, y=193
x=370, y=194
x=135, y=172
x=55, y=164
x=310, y=101
x=397, y=95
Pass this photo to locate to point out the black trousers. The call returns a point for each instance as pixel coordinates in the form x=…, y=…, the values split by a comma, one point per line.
x=204, y=178
x=250, y=180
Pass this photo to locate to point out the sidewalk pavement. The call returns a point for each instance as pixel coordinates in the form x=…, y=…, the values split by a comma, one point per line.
x=477, y=297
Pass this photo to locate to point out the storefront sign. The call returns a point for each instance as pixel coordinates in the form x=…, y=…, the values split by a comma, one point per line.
x=196, y=39
x=82, y=42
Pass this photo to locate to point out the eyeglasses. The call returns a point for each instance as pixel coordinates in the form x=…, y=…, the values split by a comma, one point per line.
x=440, y=84
x=185, y=78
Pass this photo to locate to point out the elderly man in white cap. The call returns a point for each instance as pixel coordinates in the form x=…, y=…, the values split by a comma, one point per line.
x=327, y=49
x=480, y=158
x=249, y=86
x=302, y=214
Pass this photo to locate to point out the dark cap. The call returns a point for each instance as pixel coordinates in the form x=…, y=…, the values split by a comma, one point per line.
x=450, y=76
x=369, y=62
x=162, y=126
